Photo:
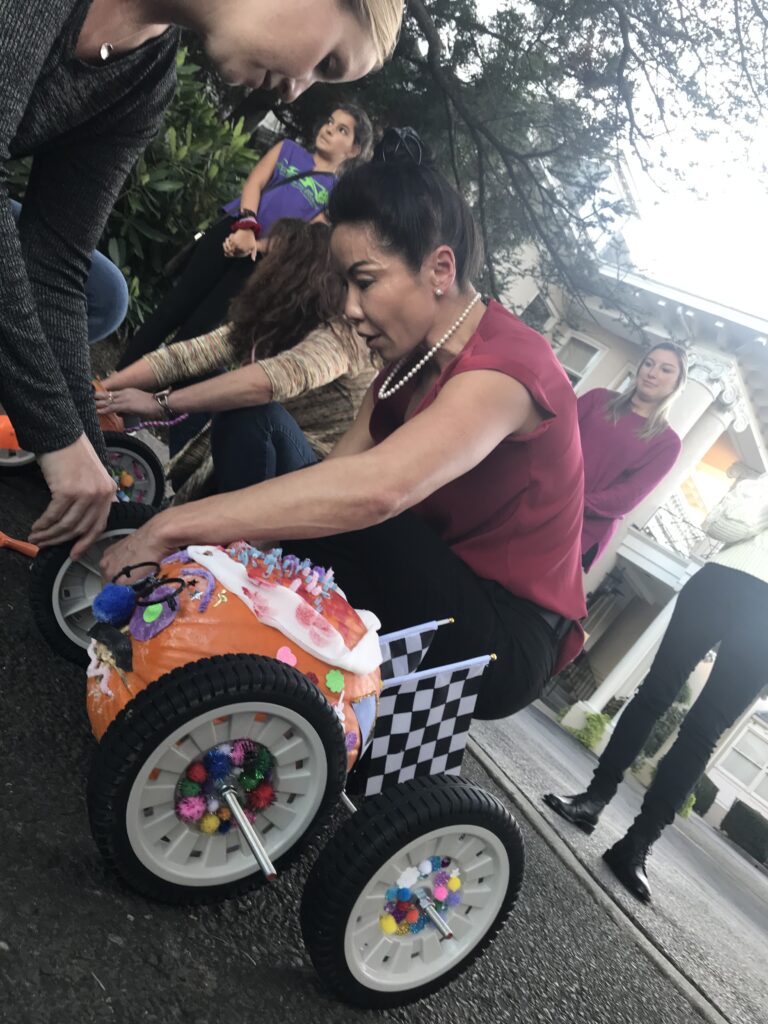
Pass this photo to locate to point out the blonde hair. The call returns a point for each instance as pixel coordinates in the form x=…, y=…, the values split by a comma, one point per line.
x=382, y=18
x=659, y=418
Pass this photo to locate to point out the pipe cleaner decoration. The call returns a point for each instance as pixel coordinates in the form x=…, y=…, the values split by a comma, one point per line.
x=244, y=764
x=403, y=911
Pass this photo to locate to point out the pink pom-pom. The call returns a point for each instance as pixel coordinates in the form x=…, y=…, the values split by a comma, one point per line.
x=440, y=892
x=240, y=748
x=191, y=808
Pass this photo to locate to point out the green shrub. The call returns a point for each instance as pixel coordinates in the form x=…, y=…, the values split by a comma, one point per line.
x=663, y=729
x=592, y=731
x=705, y=792
x=747, y=829
x=685, y=810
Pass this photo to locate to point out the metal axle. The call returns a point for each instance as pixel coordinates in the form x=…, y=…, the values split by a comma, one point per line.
x=426, y=904
x=229, y=795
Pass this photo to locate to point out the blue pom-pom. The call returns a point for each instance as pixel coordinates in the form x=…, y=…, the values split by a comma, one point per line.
x=218, y=763
x=224, y=827
x=417, y=926
x=436, y=862
x=403, y=894
x=391, y=893
x=115, y=604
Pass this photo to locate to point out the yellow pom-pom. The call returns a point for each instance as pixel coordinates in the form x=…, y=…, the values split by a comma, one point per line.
x=126, y=480
x=224, y=813
x=454, y=884
x=388, y=924
x=209, y=823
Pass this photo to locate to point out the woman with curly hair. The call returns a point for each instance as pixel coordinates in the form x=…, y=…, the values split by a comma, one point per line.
x=303, y=373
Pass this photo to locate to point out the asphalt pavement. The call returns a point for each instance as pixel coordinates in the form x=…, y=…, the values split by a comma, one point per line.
x=77, y=947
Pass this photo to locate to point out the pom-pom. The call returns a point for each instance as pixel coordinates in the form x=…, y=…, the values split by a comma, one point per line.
x=115, y=604
x=224, y=813
x=445, y=862
x=264, y=760
x=224, y=827
x=425, y=867
x=190, y=808
x=391, y=893
x=403, y=905
x=125, y=479
x=388, y=924
x=417, y=926
x=404, y=894
x=441, y=878
x=209, y=823
x=217, y=763
x=399, y=914
x=412, y=916
x=189, y=788
x=453, y=899
x=454, y=884
x=251, y=779
x=436, y=863
x=390, y=906
x=196, y=772
x=403, y=928
x=439, y=892
x=408, y=879
x=213, y=804
x=240, y=750
x=261, y=797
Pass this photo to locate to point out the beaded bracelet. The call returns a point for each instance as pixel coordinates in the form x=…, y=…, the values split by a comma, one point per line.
x=157, y=423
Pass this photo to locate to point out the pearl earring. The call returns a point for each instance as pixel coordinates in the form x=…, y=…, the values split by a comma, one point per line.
x=438, y=293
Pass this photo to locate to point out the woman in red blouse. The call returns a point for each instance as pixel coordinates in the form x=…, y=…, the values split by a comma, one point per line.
x=458, y=491
x=628, y=445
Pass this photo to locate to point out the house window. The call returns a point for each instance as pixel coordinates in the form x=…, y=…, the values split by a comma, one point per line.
x=748, y=763
x=578, y=356
x=624, y=379
x=539, y=315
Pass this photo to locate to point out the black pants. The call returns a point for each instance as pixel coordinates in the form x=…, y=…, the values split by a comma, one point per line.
x=717, y=605
x=404, y=573
x=199, y=300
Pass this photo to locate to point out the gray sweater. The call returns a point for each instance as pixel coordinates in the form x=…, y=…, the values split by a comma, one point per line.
x=85, y=126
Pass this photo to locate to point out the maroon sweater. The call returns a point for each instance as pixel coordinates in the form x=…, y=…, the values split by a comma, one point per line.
x=620, y=467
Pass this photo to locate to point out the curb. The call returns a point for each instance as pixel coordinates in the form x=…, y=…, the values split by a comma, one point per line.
x=688, y=988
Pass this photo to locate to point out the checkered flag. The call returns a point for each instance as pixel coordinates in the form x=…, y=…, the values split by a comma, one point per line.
x=423, y=724
x=402, y=652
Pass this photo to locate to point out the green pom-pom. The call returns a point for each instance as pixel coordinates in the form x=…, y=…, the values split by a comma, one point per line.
x=189, y=788
x=251, y=779
x=264, y=760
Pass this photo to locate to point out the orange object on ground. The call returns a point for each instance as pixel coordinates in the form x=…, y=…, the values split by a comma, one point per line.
x=8, y=437
x=22, y=546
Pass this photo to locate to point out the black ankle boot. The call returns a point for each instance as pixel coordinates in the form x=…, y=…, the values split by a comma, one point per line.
x=627, y=858
x=582, y=810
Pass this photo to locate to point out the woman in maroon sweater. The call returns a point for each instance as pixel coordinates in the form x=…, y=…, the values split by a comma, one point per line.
x=628, y=445
x=458, y=489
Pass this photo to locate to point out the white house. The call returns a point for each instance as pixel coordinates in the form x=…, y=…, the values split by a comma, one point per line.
x=739, y=768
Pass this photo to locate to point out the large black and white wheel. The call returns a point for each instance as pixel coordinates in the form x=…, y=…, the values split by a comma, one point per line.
x=61, y=591
x=360, y=950
x=137, y=471
x=143, y=763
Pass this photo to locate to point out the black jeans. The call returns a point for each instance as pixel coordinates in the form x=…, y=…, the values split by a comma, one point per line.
x=403, y=572
x=199, y=300
x=255, y=444
x=717, y=605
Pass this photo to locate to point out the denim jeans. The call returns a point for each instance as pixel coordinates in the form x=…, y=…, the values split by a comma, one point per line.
x=106, y=293
x=255, y=444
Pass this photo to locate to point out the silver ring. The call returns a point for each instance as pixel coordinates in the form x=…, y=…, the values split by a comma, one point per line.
x=110, y=397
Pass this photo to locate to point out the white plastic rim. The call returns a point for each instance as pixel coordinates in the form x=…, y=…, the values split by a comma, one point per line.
x=77, y=584
x=11, y=458
x=143, y=490
x=397, y=963
x=181, y=853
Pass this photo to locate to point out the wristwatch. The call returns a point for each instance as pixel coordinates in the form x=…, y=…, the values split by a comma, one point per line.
x=161, y=397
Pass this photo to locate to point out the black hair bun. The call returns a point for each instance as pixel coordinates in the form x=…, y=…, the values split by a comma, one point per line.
x=402, y=146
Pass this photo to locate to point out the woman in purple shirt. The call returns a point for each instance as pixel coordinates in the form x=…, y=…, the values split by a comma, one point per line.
x=288, y=181
x=628, y=445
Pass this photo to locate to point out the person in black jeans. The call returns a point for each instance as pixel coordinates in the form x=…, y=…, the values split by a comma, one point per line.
x=725, y=603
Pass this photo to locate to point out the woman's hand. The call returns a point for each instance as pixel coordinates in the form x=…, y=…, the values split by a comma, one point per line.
x=239, y=244
x=82, y=492
x=143, y=545
x=129, y=400
x=260, y=247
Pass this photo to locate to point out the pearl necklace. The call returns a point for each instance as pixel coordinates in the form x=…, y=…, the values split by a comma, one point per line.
x=385, y=391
